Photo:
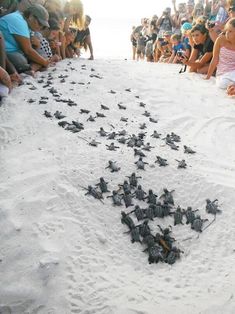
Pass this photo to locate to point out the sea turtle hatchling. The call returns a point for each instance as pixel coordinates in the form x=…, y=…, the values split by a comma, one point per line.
x=100, y=115
x=188, y=150
x=158, y=210
x=155, y=254
x=93, y=192
x=190, y=215
x=113, y=167
x=47, y=114
x=127, y=198
x=84, y=111
x=58, y=115
x=149, y=212
x=94, y=143
x=144, y=229
x=155, y=134
x=178, y=216
x=103, y=185
x=146, y=114
x=161, y=161
x=153, y=120
x=173, y=255
x=181, y=164
x=123, y=119
x=112, y=136
x=116, y=198
x=112, y=147
x=78, y=125
x=125, y=186
x=149, y=240
x=121, y=107
x=135, y=236
x=173, y=146
x=133, y=179
x=102, y=132
x=138, y=152
x=139, y=213
x=167, y=196
x=143, y=126
x=141, y=164
x=91, y=118
x=127, y=220
x=104, y=107
x=122, y=140
x=197, y=223
x=147, y=147
x=139, y=193
x=212, y=207
x=151, y=197
x=176, y=138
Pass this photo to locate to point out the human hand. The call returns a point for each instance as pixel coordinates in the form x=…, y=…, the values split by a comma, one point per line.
x=5, y=78
x=231, y=90
x=15, y=77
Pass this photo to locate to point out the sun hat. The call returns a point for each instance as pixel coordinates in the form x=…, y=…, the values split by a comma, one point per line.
x=40, y=13
x=186, y=26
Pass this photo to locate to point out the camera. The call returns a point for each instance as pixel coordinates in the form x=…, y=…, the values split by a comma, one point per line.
x=180, y=53
x=211, y=24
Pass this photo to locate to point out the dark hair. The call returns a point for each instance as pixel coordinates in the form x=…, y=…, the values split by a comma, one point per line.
x=199, y=27
x=231, y=22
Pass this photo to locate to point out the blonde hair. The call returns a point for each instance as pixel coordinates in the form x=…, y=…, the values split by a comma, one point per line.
x=75, y=8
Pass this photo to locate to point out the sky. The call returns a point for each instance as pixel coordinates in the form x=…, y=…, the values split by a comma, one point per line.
x=125, y=8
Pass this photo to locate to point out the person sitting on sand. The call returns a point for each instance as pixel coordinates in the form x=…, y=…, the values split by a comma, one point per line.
x=201, y=54
x=224, y=57
x=15, y=29
x=177, y=46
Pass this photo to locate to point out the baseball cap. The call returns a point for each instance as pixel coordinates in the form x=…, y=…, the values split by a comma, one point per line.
x=40, y=13
x=186, y=26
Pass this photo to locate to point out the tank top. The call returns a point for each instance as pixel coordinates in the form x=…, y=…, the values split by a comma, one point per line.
x=226, y=61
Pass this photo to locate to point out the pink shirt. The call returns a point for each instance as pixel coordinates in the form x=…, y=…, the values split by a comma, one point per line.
x=226, y=61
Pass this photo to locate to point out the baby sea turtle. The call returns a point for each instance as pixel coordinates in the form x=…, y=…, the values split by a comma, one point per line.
x=112, y=136
x=113, y=167
x=188, y=150
x=112, y=147
x=94, y=143
x=103, y=185
x=167, y=196
x=176, y=138
x=63, y=123
x=143, y=126
x=147, y=147
x=149, y=240
x=91, y=118
x=124, y=119
x=150, y=212
x=166, y=208
x=104, y=107
x=173, y=146
x=161, y=161
x=122, y=133
x=78, y=125
x=125, y=186
x=121, y=107
x=181, y=164
x=168, y=139
x=127, y=220
x=84, y=111
x=141, y=103
x=127, y=198
x=47, y=114
x=212, y=207
x=116, y=198
x=153, y=120
x=138, y=152
x=144, y=229
x=151, y=198
x=190, y=215
x=197, y=223
x=135, y=236
x=128, y=90
x=156, y=134
x=93, y=192
x=122, y=140
x=131, y=142
x=139, y=193
x=173, y=255
x=178, y=216
x=31, y=100
x=100, y=115
x=155, y=254
x=139, y=213
x=133, y=179
x=141, y=164
x=112, y=92
x=102, y=132
x=158, y=210
x=58, y=115
x=146, y=114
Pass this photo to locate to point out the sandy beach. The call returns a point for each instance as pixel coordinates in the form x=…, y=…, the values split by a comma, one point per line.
x=63, y=252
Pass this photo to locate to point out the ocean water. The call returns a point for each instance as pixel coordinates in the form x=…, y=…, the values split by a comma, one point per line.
x=111, y=37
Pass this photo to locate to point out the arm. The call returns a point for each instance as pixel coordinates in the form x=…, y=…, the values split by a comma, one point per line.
x=29, y=51
x=89, y=43
x=67, y=23
x=215, y=59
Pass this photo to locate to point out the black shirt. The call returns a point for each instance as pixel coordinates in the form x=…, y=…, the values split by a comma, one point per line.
x=82, y=35
x=204, y=48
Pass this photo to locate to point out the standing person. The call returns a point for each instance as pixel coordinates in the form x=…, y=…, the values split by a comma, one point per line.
x=83, y=37
x=133, y=42
x=74, y=13
x=224, y=57
x=165, y=22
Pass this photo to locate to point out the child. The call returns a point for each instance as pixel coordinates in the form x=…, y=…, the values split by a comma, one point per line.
x=177, y=46
x=224, y=57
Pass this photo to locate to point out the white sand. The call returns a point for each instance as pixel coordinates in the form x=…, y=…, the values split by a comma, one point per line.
x=63, y=252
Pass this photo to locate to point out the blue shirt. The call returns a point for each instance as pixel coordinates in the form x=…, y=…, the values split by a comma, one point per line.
x=13, y=24
x=178, y=47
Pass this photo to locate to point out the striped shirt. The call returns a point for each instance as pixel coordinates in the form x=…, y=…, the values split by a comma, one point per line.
x=226, y=61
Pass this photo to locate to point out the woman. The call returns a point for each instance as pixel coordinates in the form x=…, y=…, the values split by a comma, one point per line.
x=224, y=57
x=201, y=54
x=15, y=28
x=73, y=10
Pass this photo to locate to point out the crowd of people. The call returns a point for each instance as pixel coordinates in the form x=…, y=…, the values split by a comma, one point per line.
x=35, y=34
x=199, y=34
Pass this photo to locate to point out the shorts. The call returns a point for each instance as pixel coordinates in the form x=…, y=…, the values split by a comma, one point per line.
x=225, y=80
x=140, y=50
x=19, y=61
